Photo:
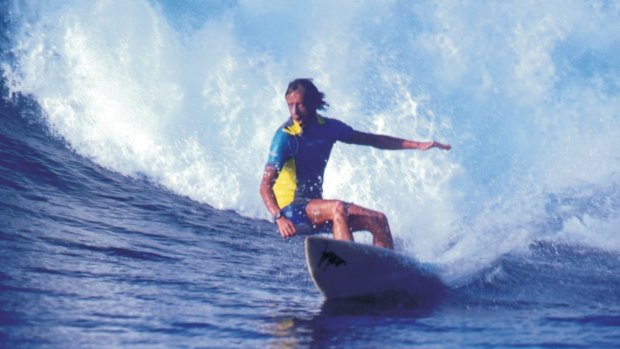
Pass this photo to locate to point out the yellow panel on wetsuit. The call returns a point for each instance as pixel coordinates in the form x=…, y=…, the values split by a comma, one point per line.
x=285, y=185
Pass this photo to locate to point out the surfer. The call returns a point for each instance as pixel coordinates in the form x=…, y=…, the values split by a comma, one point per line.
x=292, y=183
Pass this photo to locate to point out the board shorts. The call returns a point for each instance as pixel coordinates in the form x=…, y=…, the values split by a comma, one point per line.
x=296, y=213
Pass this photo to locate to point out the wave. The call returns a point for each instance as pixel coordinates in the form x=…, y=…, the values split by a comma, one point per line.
x=545, y=276
x=189, y=96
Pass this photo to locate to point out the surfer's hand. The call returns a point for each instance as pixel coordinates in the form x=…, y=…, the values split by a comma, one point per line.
x=286, y=227
x=441, y=145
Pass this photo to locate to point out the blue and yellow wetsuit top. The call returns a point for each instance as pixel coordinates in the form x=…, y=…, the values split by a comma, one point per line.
x=300, y=156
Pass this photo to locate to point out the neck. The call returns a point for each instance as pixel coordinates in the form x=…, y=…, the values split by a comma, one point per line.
x=310, y=120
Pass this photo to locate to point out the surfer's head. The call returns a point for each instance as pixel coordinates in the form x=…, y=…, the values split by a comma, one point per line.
x=313, y=98
x=303, y=100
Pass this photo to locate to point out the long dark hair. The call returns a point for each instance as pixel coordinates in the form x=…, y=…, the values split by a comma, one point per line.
x=312, y=96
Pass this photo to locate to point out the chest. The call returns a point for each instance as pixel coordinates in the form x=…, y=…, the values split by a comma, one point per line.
x=312, y=147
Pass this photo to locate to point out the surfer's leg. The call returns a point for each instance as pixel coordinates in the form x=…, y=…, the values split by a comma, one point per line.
x=322, y=211
x=375, y=222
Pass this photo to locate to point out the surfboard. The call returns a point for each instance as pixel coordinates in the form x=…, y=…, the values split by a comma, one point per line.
x=344, y=269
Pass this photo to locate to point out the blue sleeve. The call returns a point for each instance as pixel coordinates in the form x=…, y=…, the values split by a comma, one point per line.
x=280, y=150
x=342, y=131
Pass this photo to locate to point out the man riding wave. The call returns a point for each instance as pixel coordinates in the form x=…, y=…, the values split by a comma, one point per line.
x=292, y=183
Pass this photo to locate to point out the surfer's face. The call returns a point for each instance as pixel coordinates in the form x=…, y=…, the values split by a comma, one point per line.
x=298, y=109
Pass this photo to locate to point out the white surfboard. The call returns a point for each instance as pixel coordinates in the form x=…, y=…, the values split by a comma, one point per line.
x=343, y=269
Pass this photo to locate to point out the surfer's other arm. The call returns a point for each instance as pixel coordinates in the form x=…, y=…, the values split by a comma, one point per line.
x=392, y=143
x=285, y=226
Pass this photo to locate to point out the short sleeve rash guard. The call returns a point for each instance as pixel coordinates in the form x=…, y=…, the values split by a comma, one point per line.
x=300, y=157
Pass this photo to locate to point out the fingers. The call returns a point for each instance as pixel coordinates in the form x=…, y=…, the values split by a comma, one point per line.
x=286, y=228
x=444, y=146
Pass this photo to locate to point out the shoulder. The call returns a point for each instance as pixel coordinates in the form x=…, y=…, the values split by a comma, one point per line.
x=280, y=136
x=342, y=129
x=281, y=147
x=329, y=121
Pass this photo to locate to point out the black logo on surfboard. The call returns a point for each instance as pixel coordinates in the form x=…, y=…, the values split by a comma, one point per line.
x=330, y=258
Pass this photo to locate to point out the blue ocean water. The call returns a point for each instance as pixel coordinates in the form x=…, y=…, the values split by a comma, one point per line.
x=133, y=136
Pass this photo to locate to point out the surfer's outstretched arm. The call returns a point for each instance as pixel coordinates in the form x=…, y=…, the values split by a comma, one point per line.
x=392, y=143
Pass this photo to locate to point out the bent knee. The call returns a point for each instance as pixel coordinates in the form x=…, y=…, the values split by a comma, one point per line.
x=376, y=217
x=339, y=209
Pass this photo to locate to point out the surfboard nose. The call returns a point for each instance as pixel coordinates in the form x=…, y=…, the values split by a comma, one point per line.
x=344, y=269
